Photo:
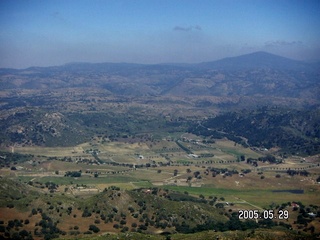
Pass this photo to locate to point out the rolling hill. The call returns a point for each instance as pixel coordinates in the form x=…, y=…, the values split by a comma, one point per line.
x=295, y=132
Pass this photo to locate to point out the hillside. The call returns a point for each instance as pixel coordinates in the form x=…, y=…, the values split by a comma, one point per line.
x=113, y=210
x=31, y=212
x=295, y=132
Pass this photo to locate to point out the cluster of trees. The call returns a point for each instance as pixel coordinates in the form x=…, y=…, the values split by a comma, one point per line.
x=11, y=231
x=296, y=172
x=46, y=228
x=269, y=158
x=7, y=158
x=49, y=229
x=51, y=186
x=231, y=225
x=73, y=174
x=187, y=150
x=216, y=171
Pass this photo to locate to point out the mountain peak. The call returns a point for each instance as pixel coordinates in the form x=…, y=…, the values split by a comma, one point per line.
x=253, y=60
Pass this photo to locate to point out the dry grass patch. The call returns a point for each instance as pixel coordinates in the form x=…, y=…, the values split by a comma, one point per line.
x=237, y=149
x=51, y=151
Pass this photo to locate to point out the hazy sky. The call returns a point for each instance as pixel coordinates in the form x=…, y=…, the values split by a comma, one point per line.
x=43, y=33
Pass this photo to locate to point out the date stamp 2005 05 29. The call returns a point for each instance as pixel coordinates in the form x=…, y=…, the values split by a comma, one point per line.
x=265, y=214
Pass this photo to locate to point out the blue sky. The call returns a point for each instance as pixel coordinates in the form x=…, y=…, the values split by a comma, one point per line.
x=44, y=33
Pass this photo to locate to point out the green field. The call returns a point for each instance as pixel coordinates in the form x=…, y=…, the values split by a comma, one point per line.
x=258, y=197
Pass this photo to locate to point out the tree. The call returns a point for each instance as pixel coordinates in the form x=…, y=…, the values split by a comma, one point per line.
x=34, y=211
x=86, y=213
x=196, y=174
x=134, y=225
x=94, y=228
x=116, y=225
x=219, y=205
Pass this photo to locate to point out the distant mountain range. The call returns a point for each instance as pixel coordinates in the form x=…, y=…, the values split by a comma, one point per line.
x=259, y=60
x=255, y=74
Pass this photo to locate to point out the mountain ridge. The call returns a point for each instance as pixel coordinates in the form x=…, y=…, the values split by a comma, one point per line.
x=255, y=74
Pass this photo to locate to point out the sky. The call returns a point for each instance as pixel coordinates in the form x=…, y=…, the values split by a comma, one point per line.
x=55, y=32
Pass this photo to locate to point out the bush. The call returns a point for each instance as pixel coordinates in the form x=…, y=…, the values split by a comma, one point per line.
x=86, y=213
x=94, y=228
x=219, y=205
x=10, y=205
x=134, y=225
x=125, y=229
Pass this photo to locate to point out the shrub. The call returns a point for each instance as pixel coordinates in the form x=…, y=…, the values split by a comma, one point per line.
x=134, y=225
x=86, y=213
x=219, y=205
x=125, y=229
x=94, y=228
x=10, y=205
